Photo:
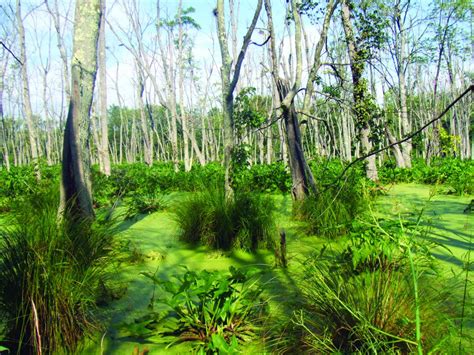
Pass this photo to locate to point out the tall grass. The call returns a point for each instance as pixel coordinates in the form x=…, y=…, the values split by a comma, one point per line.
x=50, y=271
x=246, y=221
x=330, y=212
x=373, y=302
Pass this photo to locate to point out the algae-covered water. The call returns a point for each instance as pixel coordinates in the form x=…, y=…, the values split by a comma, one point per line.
x=153, y=238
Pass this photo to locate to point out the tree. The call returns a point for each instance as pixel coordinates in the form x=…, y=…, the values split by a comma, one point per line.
x=177, y=62
x=398, y=19
x=302, y=177
x=448, y=13
x=3, y=69
x=359, y=49
x=229, y=81
x=76, y=196
x=56, y=16
x=26, y=92
x=104, y=139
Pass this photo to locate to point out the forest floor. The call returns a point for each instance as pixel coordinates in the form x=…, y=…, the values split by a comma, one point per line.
x=153, y=241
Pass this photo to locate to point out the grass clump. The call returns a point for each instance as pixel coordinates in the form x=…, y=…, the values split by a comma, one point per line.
x=245, y=221
x=50, y=271
x=331, y=211
x=376, y=296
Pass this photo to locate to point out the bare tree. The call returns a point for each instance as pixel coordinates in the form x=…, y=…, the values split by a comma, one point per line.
x=302, y=177
x=76, y=195
x=55, y=15
x=104, y=139
x=26, y=92
x=4, y=136
x=230, y=77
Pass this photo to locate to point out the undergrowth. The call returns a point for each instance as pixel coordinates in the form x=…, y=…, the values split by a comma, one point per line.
x=380, y=294
x=127, y=180
x=245, y=221
x=143, y=204
x=50, y=271
x=217, y=312
x=331, y=211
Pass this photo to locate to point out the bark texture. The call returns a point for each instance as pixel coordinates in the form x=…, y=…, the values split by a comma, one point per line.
x=26, y=92
x=229, y=83
x=359, y=92
x=76, y=195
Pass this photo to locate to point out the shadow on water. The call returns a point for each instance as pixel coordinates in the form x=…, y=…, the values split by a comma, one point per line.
x=157, y=234
x=280, y=284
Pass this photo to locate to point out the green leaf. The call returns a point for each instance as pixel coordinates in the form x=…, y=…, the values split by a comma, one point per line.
x=218, y=343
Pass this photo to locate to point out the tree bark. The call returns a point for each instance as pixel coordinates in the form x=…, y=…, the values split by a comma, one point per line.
x=26, y=92
x=104, y=138
x=229, y=84
x=359, y=92
x=76, y=195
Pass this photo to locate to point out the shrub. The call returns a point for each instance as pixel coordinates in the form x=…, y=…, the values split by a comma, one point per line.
x=383, y=245
x=143, y=204
x=456, y=174
x=49, y=270
x=215, y=311
x=263, y=178
x=21, y=181
x=245, y=221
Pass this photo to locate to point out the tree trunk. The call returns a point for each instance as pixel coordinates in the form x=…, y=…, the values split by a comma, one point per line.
x=26, y=92
x=76, y=195
x=229, y=84
x=302, y=177
x=103, y=146
x=184, y=117
x=406, y=147
x=6, y=156
x=360, y=92
x=147, y=137
x=399, y=160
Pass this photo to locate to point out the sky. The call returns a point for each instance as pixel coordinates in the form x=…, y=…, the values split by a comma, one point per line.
x=41, y=45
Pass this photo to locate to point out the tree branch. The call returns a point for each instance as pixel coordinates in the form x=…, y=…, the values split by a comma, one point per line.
x=409, y=136
x=261, y=44
x=245, y=44
x=9, y=51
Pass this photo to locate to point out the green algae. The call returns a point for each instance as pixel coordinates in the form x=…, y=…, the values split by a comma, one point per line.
x=156, y=237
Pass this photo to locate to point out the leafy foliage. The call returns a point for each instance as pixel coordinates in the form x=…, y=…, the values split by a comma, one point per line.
x=250, y=110
x=130, y=181
x=456, y=174
x=263, y=178
x=143, y=204
x=384, y=245
x=215, y=311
